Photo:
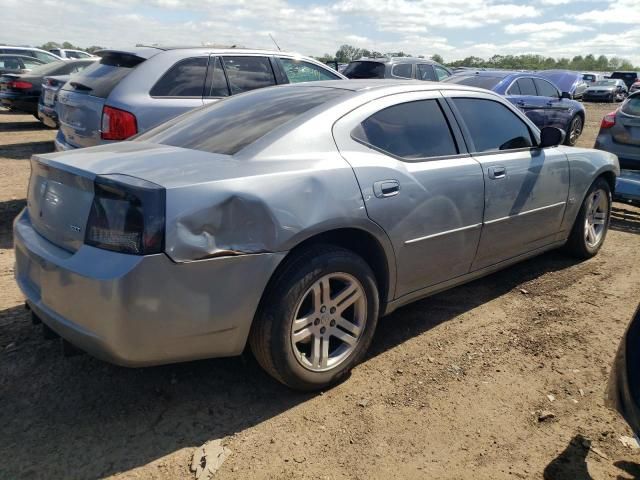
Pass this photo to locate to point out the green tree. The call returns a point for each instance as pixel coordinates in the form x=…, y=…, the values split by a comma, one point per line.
x=437, y=58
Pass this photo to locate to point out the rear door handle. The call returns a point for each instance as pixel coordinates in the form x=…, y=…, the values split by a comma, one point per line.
x=497, y=171
x=386, y=188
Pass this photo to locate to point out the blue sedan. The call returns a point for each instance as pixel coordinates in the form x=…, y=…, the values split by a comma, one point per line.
x=537, y=97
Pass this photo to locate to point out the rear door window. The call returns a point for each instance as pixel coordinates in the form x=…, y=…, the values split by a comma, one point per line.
x=514, y=89
x=229, y=126
x=492, y=126
x=101, y=78
x=527, y=87
x=184, y=79
x=248, y=73
x=412, y=130
x=402, y=70
x=425, y=71
x=545, y=89
x=300, y=71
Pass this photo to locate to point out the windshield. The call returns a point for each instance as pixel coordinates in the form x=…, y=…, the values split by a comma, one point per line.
x=364, y=70
x=605, y=83
x=479, y=81
x=229, y=125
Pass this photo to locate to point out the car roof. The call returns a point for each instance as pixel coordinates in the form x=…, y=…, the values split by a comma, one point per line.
x=14, y=55
x=395, y=60
x=147, y=52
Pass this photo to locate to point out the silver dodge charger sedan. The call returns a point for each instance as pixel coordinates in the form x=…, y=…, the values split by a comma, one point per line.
x=291, y=218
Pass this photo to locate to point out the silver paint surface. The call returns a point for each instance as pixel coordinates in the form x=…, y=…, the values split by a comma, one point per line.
x=231, y=220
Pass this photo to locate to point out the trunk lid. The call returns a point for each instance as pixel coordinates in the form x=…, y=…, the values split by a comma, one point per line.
x=59, y=200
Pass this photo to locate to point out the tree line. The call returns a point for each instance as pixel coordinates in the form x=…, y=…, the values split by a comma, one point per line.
x=50, y=45
x=347, y=53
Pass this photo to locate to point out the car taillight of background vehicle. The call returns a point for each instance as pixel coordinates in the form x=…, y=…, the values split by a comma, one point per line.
x=118, y=124
x=20, y=85
x=127, y=215
x=609, y=120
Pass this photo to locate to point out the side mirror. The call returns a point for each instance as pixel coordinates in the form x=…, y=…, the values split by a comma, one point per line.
x=566, y=95
x=551, y=137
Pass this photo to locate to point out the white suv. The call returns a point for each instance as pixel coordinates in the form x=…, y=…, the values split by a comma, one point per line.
x=46, y=57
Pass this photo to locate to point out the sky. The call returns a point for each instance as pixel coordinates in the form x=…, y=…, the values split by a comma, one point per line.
x=452, y=28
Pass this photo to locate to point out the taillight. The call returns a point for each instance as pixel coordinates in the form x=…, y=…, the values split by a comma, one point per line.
x=118, y=124
x=609, y=120
x=20, y=85
x=127, y=215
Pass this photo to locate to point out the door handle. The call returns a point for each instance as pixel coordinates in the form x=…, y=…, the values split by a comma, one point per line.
x=497, y=171
x=386, y=188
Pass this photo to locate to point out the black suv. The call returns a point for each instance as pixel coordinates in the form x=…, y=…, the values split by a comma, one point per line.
x=397, y=67
x=627, y=77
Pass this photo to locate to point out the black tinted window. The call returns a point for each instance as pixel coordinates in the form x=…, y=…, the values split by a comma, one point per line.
x=248, y=73
x=479, y=81
x=411, y=130
x=492, y=126
x=230, y=125
x=527, y=87
x=101, y=78
x=545, y=89
x=364, y=70
x=401, y=70
x=218, y=81
x=425, y=72
x=632, y=106
x=184, y=79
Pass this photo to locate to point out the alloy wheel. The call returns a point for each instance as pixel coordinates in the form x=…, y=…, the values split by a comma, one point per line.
x=595, y=223
x=328, y=322
x=576, y=130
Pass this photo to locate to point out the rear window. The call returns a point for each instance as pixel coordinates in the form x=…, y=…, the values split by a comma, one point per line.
x=589, y=78
x=364, y=70
x=632, y=106
x=228, y=126
x=102, y=77
x=475, y=81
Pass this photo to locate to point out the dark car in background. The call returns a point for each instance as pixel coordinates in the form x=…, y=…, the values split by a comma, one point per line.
x=130, y=91
x=22, y=91
x=18, y=63
x=566, y=81
x=396, y=67
x=629, y=78
x=620, y=132
x=536, y=96
x=610, y=90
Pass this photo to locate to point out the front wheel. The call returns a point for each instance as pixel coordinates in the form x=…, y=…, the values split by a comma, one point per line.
x=591, y=225
x=575, y=130
x=317, y=319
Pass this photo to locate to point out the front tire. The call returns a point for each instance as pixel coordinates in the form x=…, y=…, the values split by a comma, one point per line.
x=574, y=131
x=317, y=318
x=591, y=225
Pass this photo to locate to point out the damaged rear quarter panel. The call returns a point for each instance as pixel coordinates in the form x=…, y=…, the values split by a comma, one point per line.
x=271, y=207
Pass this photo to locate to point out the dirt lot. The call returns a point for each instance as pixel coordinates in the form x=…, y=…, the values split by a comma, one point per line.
x=450, y=389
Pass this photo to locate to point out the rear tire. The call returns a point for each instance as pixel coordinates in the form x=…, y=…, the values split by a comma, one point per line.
x=304, y=335
x=575, y=130
x=591, y=225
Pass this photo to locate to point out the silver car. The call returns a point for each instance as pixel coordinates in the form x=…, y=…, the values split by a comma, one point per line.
x=131, y=91
x=293, y=217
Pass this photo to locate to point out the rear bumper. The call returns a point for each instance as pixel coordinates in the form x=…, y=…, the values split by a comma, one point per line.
x=628, y=155
x=48, y=116
x=628, y=186
x=140, y=310
x=60, y=144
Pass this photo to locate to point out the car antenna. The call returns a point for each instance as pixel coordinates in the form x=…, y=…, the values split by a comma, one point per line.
x=274, y=41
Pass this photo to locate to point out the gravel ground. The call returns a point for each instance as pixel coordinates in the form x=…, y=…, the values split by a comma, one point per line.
x=453, y=387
